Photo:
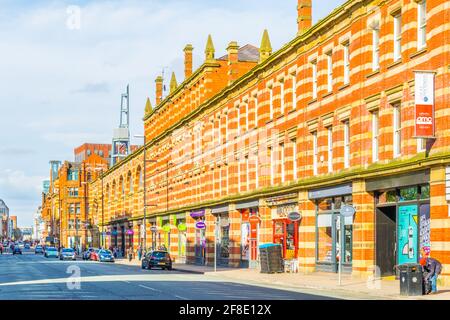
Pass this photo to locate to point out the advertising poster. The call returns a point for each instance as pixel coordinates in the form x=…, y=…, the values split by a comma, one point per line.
x=424, y=224
x=424, y=104
x=245, y=241
x=407, y=234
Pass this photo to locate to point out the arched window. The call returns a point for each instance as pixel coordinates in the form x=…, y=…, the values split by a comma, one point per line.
x=130, y=182
x=140, y=177
x=122, y=185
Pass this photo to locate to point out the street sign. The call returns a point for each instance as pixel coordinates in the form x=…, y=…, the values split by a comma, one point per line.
x=254, y=219
x=294, y=216
x=348, y=211
x=153, y=228
x=200, y=225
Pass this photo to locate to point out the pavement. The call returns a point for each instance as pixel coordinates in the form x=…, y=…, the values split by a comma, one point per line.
x=34, y=277
x=318, y=282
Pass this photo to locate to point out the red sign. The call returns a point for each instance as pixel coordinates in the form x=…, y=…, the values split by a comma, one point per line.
x=254, y=219
x=424, y=121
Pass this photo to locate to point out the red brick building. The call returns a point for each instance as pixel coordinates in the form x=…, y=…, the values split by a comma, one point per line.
x=326, y=121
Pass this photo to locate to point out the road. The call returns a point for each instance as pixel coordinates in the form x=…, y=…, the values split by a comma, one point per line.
x=34, y=277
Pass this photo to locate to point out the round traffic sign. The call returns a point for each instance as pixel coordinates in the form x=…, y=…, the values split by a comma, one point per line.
x=348, y=211
x=153, y=228
x=200, y=225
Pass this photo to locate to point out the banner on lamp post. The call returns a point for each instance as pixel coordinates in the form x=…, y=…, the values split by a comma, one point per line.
x=424, y=104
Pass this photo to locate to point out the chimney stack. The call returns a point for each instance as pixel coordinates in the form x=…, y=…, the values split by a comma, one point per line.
x=233, y=59
x=159, y=90
x=188, y=61
x=304, y=20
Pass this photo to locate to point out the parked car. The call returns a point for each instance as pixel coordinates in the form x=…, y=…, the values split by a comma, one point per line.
x=27, y=246
x=157, y=258
x=21, y=245
x=38, y=250
x=105, y=256
x=17, y=250
x=68, y=253
x=87, y=253
x=94, y=255
x=51, y=252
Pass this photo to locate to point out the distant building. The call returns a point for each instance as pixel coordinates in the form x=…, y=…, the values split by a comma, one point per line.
x=4, y=218
x=82, y=152
x=27, y=233
x=38, y=225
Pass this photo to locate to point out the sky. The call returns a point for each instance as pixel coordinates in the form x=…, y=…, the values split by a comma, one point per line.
x=65, y=64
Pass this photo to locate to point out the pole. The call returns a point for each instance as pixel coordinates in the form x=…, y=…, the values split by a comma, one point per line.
x=215, y=246
x=102, y=240
x=145, y=194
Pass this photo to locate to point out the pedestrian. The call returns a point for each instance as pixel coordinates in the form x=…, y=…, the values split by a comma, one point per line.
x=1, y=248
x=139, y=252
x=130, y=254
x=433, y=268
x=115, y=252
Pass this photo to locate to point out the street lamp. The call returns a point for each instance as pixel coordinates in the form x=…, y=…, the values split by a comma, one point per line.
x=101, y=238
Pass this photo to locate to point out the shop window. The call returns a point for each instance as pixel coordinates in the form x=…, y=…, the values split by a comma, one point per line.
x=225, y=242
x=325, y=238
x=325, y=204
x=425, y=192
x=348, y=243
x=387, y=197
x=408, y=194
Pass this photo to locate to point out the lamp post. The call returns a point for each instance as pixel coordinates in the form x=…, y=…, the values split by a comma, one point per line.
x=103, y=212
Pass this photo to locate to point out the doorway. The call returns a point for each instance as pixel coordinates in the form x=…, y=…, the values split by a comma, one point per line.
x=386, y=239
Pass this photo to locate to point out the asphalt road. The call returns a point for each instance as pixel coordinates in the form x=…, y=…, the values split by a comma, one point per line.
x=34, y=277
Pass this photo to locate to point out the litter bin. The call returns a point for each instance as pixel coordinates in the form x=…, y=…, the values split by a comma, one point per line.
x=411, y=279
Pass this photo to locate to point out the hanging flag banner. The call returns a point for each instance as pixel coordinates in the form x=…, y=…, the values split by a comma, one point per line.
x=424, y=104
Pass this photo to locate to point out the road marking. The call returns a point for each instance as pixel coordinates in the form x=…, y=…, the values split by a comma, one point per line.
x=182, y=298
x=153, y=289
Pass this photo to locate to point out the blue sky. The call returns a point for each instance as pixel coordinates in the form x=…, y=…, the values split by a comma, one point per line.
x=61, y=87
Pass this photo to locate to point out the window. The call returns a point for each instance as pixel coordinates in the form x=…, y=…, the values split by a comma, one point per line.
x=72, y=174
x=73, y=192
x=397, y=37
x=239, y=174
x=397, y=130
x=375, y=49
x=247, y=173
x=294, y=158
x=256, y=110
x=238, y=110
x=220, y=181
x=314, y=79
x=315, y=153
x=256, y=172
x=272, y=164
x=226, y=127
x=140, y=178
x=271, y=102
x=282, y=97
x=130, y=181
x=74, y=208
x=329, y=71
x=346, y=63
x=282, y=151
x=346, y=144
x=330, y=149
x=375, y=134
x=422, y=25
x=421, y=145
x=246, y=116
x=294, y=91
x=219, y=133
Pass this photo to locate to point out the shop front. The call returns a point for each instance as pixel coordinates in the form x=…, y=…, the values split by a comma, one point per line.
x=222, y=232
x=334, y=232
x=402, y=219
x=285, y=230
x=200, y=236
x=182, y=238
x=165, y=234
x=249, y=233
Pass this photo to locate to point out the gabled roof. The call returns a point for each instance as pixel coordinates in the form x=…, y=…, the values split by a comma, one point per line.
x=247, y=53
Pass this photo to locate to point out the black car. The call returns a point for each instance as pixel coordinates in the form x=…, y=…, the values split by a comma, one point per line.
x=17, y=250
x=160, y=259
